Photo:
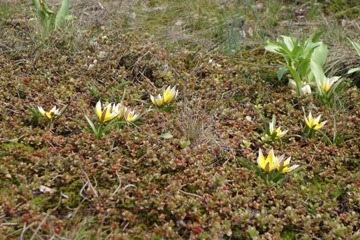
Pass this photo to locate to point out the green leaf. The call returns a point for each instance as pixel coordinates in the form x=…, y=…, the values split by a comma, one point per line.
x=296, y=78
x=77, y=121
x=327, y=139
x=121, y=85
x=356, y=46
x=297, y=52
x=166, y=135
x=91, y=125
x=320, y=54
x=248, y=164
x=264, y=122
x=284, y=50
x=276, y=177
x=93, y=91
x=289, y=42
x=37, y=4
x=315, y=37
x=303, y=67
x=318, y=72
x=309, y=48
x=106, y=129
x=347, y=137
x=354, y=70
x=62, y=13
x=42, y=7
x=281, y=72
x=43, y=13
x=36, y=115
x=62, y=110
x=272, y=46
x=143, y=113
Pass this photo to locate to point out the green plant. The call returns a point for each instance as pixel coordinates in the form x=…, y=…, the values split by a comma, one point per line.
x=312, y=125
x=51, y=116
x=337, y=137
x=270, y=133
x=35, y=115
x=48, y=19
x=94, y=90
x=270, y=169
x=326, y=87
x=357, y=48
x=235, y=32
x=298, y=56
x=112, y=115
x=105, y=115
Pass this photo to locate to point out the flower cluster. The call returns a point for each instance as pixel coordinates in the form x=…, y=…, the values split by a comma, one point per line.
x=108, y=113
x=169, y=95
x=118, y=111
x=271, y=162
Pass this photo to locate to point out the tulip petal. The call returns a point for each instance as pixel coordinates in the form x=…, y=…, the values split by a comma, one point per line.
x=98, y=109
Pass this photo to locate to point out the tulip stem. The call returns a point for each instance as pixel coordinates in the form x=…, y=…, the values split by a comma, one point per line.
x=311, y=133
x=99, y=131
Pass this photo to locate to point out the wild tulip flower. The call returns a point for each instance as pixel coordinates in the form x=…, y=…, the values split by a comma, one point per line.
x=279, y=133
x=314, y=123
x=270, y=163
x=121, y=109
x=169, y=95
x=284, y=166
x=50, y=114
x=328, y=83
x=158, y=101
x=305, y=90
x=107, y=114
x=292, y=84
x=130, y=116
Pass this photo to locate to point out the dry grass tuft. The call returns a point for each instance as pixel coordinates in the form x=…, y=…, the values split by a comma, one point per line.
x=342, y=58
x=197, y=125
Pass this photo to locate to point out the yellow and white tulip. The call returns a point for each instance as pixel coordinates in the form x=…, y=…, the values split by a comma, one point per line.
x=314, y=123
x=50, y=114
x=169, y=95
x=106, y=114
x=279, y=133
x=269, y=163
x=328, y=83
x=284, y=166
x=130, y=116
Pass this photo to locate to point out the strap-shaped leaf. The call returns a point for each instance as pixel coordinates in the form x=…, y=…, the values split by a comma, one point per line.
x=296, y=77
x=320, y=54
x=289, y=42
x=63, y=11
x=318, y=72
x=281, y=72
x=166, y=135
x=92, y=125
x=354, y=70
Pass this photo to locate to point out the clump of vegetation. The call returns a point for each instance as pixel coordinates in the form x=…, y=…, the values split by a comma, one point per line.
x=188, y=163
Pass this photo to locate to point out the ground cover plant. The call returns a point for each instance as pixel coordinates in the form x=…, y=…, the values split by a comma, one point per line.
x=168, y=120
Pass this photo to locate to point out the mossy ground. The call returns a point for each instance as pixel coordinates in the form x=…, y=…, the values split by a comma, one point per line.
x=59, y=182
